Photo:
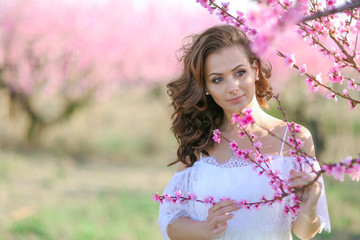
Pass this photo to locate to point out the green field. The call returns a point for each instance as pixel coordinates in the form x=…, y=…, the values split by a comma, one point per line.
x=92, y=177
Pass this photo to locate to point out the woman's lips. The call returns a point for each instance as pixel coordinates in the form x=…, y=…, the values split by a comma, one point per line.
x=235, y=99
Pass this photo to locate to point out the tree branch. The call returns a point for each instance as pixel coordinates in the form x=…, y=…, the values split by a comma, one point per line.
x=349, y=5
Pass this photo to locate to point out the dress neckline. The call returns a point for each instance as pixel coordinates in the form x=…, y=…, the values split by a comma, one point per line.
x=236, y=160
x=233, y=161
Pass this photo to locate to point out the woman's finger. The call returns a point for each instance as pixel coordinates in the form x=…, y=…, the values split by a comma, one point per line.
x=299, y=182
x=220, y=219
x=218, y=231
x=295, y=175
x=221, y=204
x=227, y=209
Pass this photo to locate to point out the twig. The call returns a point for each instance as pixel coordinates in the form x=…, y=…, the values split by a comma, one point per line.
x=349, y=5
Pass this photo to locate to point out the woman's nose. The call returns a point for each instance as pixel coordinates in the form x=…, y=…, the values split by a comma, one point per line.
x=233, y=85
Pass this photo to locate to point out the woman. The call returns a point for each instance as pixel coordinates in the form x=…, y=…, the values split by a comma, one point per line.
x=222, y=76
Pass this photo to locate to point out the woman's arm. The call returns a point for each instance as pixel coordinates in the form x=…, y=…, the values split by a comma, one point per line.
x=307, y=224
x=215, y=225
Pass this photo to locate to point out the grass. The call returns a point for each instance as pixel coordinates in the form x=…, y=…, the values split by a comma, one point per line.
x=124, y=215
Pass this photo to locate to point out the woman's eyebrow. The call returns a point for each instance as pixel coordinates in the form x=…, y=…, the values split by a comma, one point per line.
x=240, y=65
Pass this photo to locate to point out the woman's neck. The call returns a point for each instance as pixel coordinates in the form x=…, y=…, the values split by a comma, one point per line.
x=257, y=113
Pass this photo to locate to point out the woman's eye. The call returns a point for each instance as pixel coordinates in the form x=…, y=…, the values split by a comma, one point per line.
x=217, y=80
x=240, y=73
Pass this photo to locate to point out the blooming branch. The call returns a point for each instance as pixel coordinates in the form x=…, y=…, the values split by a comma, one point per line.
x=313, y=20
x=346, y=6
x=261, y=165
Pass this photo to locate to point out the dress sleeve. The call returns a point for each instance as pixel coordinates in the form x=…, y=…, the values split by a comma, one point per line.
x=169, y=211
x=321, y=208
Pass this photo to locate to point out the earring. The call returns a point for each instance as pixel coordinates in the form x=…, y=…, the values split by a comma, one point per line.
x=206, y=93
x=257, y=78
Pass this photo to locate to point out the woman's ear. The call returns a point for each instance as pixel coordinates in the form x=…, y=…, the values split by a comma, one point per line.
x=255, y=66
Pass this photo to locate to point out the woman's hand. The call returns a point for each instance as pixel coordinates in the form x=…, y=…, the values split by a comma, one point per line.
x=218, y=215
x=307, y=224
x=311, y=194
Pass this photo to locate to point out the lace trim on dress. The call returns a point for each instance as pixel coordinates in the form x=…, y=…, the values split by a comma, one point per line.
x=182, y=213
x=234, y=161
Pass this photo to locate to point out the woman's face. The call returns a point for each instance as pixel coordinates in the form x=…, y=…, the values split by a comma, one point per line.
x=230, y=79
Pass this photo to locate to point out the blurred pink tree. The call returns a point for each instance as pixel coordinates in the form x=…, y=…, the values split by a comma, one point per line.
x=58, y=56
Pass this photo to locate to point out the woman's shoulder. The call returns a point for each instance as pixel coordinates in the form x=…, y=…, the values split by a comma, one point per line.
x=280, y=127
x=181, y=166
x=304, y=135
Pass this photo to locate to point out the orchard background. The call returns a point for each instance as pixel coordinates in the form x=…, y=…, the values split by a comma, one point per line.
x=85, y=123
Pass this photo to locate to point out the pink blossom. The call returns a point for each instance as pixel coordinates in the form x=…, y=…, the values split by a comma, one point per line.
x=297, y=128
x=239, y=152
x=211, y=9
x=241, y=133
x=352, y=104
x=345, y=91
x=241, y=20
x=216, y=135
x=287, y=3
x=338, y=172
x=299, y=142
x=292, y=152
x=178, y=194
x=157, y=198
x=247, y=118
x=313, y=84
x=253, y=32
x=290, y=59
x=239, y=13
x=258, y=144
x=192, y=196
x=332, y=95
x=223, y=16
x=318, y=26
x=209, y=199
x=347, y=161
x=203, y=3
x=354, y=173
x=335, y=75
x=314, y=87
x=326, y=168
x=318, y=77
x=235, y=118
x=330, y=4
x=302, y=70
x=168, y=198
x=258, y=157
x=351, y=84
x=233, y=146
x=309, y=81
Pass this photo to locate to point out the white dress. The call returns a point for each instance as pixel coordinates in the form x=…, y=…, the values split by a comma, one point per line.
x=236, y=179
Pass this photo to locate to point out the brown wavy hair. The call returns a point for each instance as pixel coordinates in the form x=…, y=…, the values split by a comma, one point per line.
x=195, y=113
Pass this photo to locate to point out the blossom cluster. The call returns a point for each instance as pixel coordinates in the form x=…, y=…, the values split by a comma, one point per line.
x=333, y=35
x=261, y=165
x=347, y=166
x=181, y=198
